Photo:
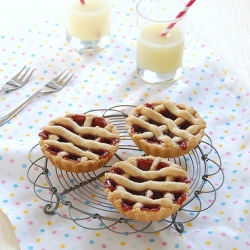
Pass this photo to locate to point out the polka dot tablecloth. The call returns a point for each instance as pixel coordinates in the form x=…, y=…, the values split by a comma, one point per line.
x=103, y=79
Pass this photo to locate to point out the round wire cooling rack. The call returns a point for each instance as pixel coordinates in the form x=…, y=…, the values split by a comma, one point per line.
x=81, y=197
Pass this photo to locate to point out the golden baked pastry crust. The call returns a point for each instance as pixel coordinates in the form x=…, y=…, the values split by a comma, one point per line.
x=79, y=143
x=165, y=129
x=146, y=188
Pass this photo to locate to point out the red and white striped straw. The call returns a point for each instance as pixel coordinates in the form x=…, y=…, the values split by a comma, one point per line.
x=178, y=17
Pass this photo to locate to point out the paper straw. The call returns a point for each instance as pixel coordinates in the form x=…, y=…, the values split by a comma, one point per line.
x=177, y=18
x=82, y=1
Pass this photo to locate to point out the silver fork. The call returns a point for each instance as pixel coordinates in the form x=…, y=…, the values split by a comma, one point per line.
x=17, y=81
x=54, y=85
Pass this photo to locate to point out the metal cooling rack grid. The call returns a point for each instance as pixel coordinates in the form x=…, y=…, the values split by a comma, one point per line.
x=81, y=197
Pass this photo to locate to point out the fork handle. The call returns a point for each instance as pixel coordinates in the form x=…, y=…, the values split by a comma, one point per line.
x=6, y=116
x=2, y=89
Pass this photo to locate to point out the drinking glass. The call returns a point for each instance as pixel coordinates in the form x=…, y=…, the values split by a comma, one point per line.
x=88, y=24
x=159, y=56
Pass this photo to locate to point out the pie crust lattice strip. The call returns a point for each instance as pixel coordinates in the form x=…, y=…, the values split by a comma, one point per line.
x=165, y=129
x=146, y=188
x=79, y=143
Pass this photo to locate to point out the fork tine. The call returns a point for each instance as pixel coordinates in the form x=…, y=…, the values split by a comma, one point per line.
x=18, y=80
x=69, y=78
x=64, y=77
x=16, y=76
x=28, y=77
x=22, y=75
x=59, y=75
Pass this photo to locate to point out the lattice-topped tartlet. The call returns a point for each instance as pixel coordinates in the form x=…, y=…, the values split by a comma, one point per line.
x=165, y=129
x=146, y=188
x=79, y=142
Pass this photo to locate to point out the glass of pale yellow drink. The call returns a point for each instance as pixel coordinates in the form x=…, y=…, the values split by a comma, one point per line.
x=88, y=24
x=159, y=56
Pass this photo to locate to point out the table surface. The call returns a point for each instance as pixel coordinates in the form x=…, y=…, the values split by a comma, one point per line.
x=215, y=81
x=224, y=27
